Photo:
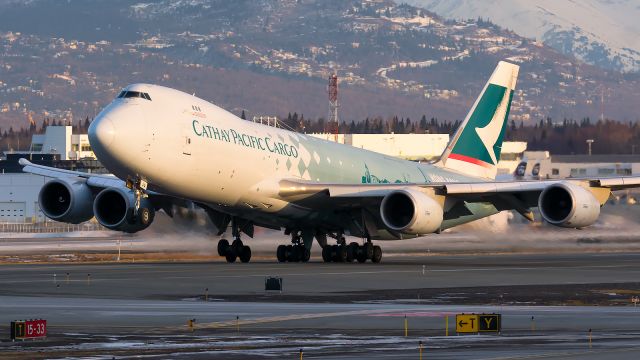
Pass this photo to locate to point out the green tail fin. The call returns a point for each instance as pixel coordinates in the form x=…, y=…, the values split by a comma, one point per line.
x=475, y=147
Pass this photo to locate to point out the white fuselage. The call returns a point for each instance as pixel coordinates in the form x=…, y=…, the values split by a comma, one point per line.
x=189, y=148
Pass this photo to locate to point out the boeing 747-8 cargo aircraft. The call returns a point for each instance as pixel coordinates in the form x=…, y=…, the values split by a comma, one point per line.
x=168, y=148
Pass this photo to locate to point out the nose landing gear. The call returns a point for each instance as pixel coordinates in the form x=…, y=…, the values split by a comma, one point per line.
x=143, y=215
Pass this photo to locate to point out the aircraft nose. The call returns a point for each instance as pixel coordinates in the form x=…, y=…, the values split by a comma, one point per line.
x=101, y=133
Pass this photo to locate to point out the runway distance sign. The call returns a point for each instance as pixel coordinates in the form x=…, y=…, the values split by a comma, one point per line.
x=28, y=329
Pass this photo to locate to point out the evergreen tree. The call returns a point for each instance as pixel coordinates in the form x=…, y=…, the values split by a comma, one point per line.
x=85, y=126
x=423, y=123
x=352, y=127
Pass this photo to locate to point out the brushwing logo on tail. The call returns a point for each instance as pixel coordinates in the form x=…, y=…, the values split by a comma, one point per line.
x=490, y=134
x=475, y=148
x=481, y=139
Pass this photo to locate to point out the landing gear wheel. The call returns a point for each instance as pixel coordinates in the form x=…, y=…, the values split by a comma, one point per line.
x=352, y=251
x=146, y=216
x=223, y=247
x=362, y=256
x=281, y=253
x=368, y=250
x=306, y=254
x=288, y=252
x=245, y=255
x=296, y=253
x=334, y=252
x=326, y=254
x=237, y=246
x=232, y=252
x=341, y=254
x=231, y=257
x=377, y=254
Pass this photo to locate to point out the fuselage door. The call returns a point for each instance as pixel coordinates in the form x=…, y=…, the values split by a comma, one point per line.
x=186, y=139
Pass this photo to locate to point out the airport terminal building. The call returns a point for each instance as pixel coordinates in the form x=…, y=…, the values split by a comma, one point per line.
x=57, y=147
x=543, y=165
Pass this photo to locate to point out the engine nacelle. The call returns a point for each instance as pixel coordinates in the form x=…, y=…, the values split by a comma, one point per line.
x=411, y=212
x=568, y=205
x=67, y=200
x=114, y=209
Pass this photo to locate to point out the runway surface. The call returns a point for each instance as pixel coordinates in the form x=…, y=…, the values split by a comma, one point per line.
x=331, y=311
x=179, y=280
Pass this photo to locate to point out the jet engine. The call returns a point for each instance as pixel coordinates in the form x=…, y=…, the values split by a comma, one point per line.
x=114, y=209
x=411, y=212
x=568, y=205
x=66, y=200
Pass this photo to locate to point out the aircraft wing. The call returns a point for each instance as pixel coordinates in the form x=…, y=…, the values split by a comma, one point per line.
x=303, y=189
x=93, y=180
x=505, y=195
x=611, y=183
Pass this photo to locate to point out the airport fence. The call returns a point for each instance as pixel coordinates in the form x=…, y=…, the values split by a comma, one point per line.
x=48, y=227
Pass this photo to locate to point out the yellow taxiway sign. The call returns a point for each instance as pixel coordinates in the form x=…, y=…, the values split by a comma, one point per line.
x=466, y=323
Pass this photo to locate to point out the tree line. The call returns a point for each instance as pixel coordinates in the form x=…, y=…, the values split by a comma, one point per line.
x=559, y=137
x=565, y=137
x=570, y=136
x=373, y=125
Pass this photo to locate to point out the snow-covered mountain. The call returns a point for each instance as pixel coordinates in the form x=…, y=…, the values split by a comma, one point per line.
x=605, y=33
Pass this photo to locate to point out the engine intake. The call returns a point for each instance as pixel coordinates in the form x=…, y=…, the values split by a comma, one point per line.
x=411, y=212
x=568, y=205
x=114, y=209
x=66, y=200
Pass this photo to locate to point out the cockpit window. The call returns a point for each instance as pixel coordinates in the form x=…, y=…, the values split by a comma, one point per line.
x=134, y=94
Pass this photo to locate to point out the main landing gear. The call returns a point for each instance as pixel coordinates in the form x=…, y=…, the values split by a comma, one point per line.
x=352, y=252
x=235, y=250
x=296, y=252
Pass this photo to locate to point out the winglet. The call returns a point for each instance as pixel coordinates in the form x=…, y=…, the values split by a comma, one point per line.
x=474, y=149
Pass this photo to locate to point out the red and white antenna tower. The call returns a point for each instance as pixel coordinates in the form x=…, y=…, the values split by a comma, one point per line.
x=332, y=89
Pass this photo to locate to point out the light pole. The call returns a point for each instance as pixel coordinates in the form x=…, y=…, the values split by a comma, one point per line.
x=589, y=142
